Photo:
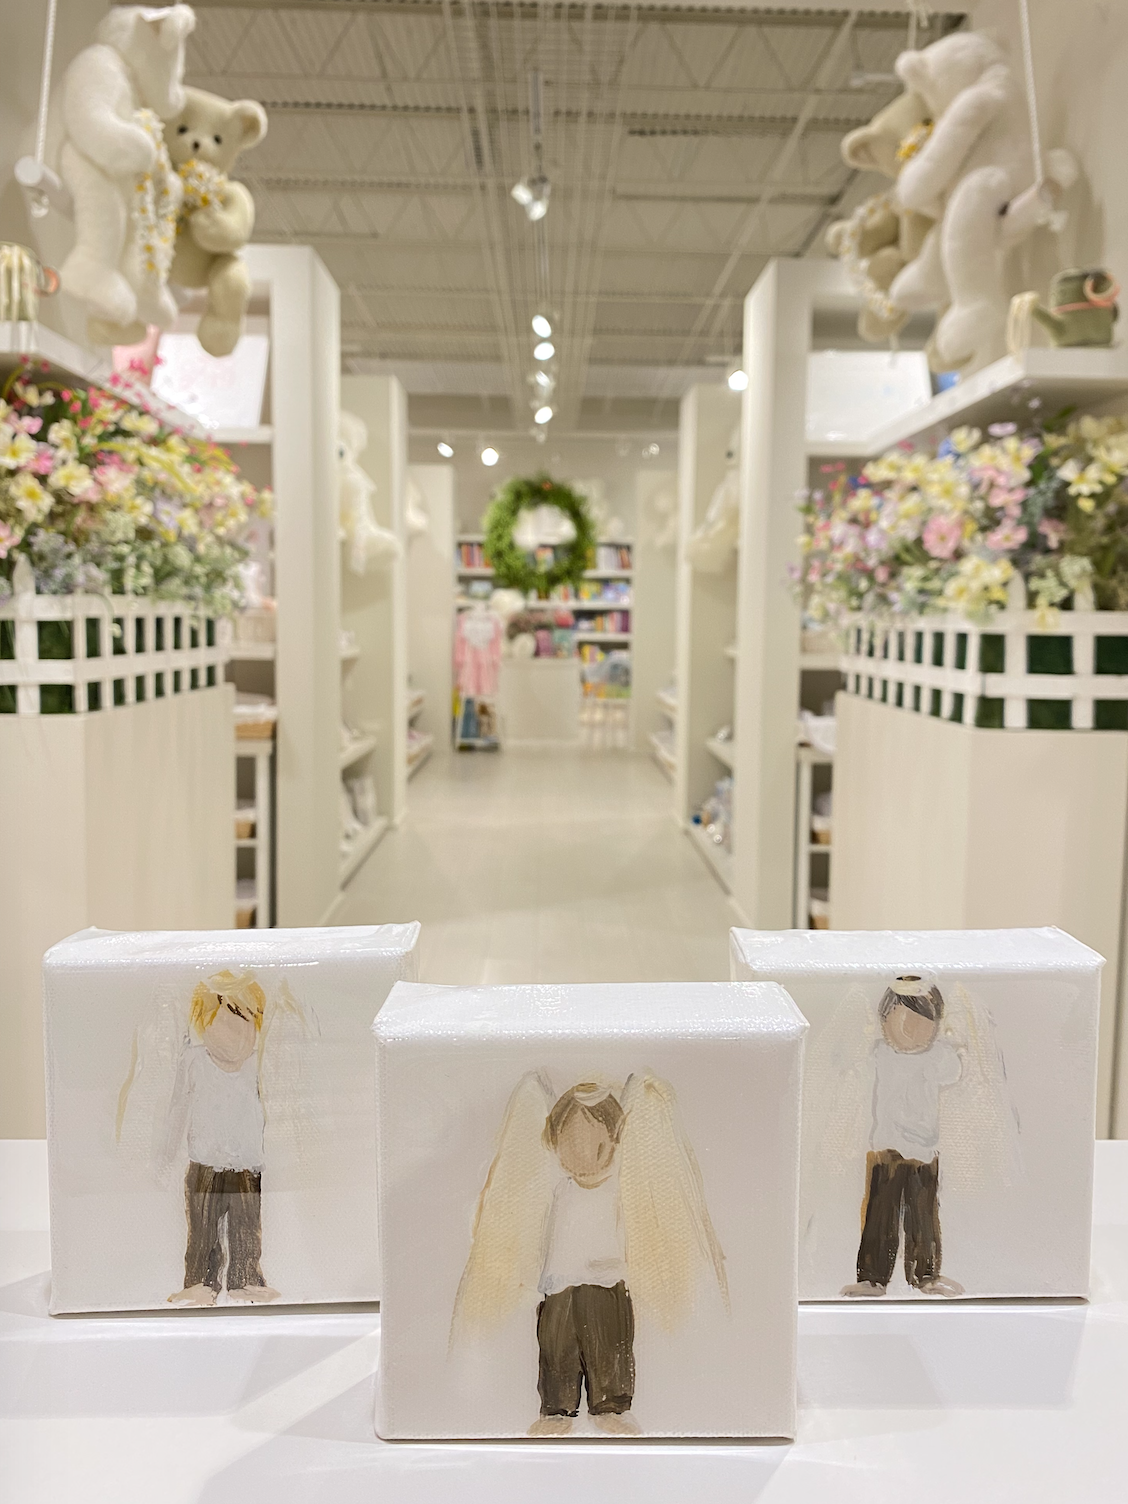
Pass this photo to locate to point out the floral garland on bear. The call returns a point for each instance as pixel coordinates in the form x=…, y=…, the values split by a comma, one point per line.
x=156, y=202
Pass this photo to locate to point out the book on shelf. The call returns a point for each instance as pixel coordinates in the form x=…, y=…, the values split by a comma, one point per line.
x=472, y=556
x=611, y=556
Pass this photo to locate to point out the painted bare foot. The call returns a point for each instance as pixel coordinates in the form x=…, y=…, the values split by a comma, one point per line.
x=864, y=1290
x=194, y=1295
x=253, y=1295
x=617, y=1425
x=940, y=1286
x=551, y=1425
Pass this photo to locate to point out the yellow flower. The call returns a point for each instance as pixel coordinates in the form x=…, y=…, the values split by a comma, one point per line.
x=71, y=477
x=143, y=424
x=29, y=496
x=963, y=439
x=16, y=448
x=63, y=436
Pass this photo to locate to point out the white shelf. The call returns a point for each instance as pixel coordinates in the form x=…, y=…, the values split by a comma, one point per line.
x=474, y=574
x=818, y=848
x=470, y=538
x=252, y=652
x=418, y=753
x=353, y=754
x=668, y=703
x=416, y=703
x=662, y=755
x=722, y=751
x=1008, y=390
x=608, y=574
x=246, y=843
x=262, y=433
x=730, y=652
x=819, y=662
x=366, y=844
x=717, y=858
x=350, y=655
x=582, y=636
x=841, y=449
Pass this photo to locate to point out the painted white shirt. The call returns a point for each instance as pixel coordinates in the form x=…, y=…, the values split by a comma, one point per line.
x=586, y=1245
x=906, y=1098
x=223, y=1110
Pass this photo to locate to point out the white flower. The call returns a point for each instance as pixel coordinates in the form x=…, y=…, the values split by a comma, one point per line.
x=16, y=449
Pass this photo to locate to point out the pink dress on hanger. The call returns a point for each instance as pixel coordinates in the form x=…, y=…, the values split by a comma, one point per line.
x=477, y=653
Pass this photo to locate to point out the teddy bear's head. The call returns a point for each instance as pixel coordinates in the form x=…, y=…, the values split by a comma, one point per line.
x=941, y=72
x=213, y=130
x=151, y=40
x=873, y=147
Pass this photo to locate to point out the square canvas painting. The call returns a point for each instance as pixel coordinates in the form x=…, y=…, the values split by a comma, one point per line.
x=949, y=1107
x=210, y=1115
x=587, y=1210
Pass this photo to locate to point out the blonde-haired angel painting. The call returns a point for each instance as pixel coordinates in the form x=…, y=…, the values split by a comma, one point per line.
x=593, y=1213
x=207, y=1076
x=909, y=1087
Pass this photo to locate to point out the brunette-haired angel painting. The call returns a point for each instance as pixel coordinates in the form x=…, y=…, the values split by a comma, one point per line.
x=592, y=1216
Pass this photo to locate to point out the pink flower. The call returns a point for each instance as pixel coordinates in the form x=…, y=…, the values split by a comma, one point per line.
x=1007, y=535
x=1052, y=531
x=8, y=539
x=44, y=461
x=942, y=536
x=28, y=425
x=881, y=574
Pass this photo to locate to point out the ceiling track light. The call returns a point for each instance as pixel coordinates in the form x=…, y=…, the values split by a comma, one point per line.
x=541, y=326
x=737, y=379
x=543, y=415
x=532, y=192
x=445, y=449
x=544, y=351
x=489, y=455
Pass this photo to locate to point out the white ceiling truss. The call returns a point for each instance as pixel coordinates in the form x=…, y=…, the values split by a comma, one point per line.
x=685, y=146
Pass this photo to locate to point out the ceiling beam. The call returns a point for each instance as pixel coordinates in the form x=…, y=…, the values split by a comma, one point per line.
x=658, y=193
x=460, y=247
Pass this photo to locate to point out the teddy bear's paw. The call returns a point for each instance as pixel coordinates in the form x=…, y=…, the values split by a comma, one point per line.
x=969, y=333
x=218, y=336
x=104, y=290
x=156, y=305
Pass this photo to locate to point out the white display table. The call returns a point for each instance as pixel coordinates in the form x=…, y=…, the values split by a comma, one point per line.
x=539, y=701
x=1001, y=1403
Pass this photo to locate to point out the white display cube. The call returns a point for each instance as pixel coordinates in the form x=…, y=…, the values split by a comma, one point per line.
x=210, y=1116
x=588, y=1188
x=949, y=1103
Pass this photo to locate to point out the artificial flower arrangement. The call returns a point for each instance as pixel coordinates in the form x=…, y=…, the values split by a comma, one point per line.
x=918, y=533
x=105, y=499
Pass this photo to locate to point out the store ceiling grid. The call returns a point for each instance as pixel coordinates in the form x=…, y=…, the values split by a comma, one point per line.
x=684, y=146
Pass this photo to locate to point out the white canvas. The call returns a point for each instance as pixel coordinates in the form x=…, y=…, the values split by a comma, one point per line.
x=136, y=1101
x=667, y=1197
x=942, y=1157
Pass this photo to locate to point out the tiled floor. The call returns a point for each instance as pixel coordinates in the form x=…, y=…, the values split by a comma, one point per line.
x=546, y=867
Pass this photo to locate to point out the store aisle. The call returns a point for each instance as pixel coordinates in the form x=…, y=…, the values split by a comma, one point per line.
x=546, y=867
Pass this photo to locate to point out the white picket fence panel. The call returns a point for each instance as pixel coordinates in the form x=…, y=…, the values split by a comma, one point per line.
x=942, y=666
x=124, y=650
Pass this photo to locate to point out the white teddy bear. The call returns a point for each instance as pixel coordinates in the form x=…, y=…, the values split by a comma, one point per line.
x=218, y=214
x=975, y=174
x=366, y=540
x=116, y=94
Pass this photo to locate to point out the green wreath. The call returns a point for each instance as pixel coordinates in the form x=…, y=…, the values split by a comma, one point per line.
x=512, y=566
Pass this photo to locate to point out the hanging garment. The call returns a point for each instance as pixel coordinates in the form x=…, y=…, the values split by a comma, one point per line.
x=477, y=652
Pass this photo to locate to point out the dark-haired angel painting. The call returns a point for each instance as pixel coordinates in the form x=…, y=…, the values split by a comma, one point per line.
x=593, y=1215
x=920, y=1098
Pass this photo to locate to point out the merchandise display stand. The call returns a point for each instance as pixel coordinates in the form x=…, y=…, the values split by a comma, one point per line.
x=706, y=620
x=253, y=898
x=654, y=562
x=430, y=611
x=976, y=1401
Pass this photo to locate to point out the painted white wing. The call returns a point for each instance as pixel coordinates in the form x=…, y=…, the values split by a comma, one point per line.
x=979, y=1130
x=838, y=1087
x=287, y=1091
x=507, y=1248
x=670, y=1242
x=149, y=1127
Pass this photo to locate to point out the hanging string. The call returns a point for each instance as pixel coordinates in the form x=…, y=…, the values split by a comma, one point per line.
x=919, y=15
x=1031, y=93
x=45, y=83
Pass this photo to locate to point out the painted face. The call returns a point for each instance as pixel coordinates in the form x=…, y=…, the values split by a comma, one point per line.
x=585, y=1149
x=907, y=1031
x=230, y=1037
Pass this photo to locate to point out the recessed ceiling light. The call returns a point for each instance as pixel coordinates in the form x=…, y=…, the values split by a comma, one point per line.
x=543, y=415
x=489, y=455
x=546, y=382
x=545, y=350
x=541, y=326
x=444, y=449
x=738, y=380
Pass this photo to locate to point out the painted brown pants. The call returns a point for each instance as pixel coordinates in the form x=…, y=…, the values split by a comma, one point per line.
x=586, y=1333
x=209, y=1197
x=900, y=1192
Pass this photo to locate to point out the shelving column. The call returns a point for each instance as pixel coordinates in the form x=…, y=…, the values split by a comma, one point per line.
x=706, y=603
x=374, y=605
x=778, y=316
x=430, y=606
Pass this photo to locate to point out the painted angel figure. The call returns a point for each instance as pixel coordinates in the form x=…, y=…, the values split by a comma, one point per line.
x=207, y=1086
x=923, y=1089
x=593, y=1209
